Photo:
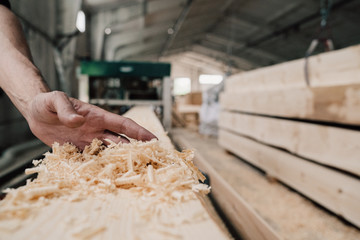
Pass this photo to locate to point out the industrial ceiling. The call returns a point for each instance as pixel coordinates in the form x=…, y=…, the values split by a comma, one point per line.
x=242, y=34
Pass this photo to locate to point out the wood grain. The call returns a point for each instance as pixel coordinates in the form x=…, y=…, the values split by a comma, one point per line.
x=332, y=146
x=332, y=104
x=334, y=190
x=287, y=213
x=327, y=69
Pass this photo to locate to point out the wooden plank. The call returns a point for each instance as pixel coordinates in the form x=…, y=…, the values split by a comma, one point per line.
x=332, y=146
x=244, y=218
x=145, y=116
x=122, y=213
x=335, y=104
x=333, y=190
x=286, y=212
x=327, y=69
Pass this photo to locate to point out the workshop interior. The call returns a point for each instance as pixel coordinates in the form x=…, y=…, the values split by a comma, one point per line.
x=266, y=94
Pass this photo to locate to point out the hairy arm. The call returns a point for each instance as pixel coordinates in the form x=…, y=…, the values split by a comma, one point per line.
x=53, y=116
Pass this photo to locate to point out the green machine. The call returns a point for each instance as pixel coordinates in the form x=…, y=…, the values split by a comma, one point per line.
x=120, y=85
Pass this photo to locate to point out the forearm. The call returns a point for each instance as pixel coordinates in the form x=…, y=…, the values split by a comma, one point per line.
x=19, y=77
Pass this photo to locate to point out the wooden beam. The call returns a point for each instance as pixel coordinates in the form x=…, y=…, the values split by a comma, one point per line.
x=328, y=69
x=331, y=146
x=332, y=104
x=334, y=190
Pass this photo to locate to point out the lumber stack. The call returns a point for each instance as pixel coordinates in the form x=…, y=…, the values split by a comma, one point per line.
x=307, y=137
x=116, y=192
x=258, y=208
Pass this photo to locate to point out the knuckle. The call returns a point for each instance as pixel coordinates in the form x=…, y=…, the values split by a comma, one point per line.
x=58, y=94
x=127, y=122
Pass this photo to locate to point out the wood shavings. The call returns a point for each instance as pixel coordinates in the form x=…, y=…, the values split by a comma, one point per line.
x=146, y=168
x=88, y=232
x=29, y=171
x=41, y=192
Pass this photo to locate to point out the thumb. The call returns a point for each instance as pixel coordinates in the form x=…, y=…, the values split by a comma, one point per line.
x=65, y=110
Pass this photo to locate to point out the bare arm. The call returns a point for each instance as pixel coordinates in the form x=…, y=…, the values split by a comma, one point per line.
x=53, y=116
x=19, y=78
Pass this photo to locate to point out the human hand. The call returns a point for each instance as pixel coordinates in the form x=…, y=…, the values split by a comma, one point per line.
x=54, y=117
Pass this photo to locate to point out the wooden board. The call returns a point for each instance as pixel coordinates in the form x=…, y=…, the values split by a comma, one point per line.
x=334, y=104
x=332, y=146
x=247, y=222
x=145, y=117
x=328, y=69
x=285, y=212
x=114, y=217
x=333, y=190
x=119, y=215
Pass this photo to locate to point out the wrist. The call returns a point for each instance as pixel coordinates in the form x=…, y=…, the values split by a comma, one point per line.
x=24, y=96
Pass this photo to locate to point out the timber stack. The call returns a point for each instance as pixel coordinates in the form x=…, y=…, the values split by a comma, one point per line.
x=306, y=136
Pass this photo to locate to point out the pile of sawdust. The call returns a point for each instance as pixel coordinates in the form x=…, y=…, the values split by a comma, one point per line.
x=145, y=168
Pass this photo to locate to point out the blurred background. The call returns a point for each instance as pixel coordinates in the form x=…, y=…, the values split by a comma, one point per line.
x=294, y=163
x=205, y=41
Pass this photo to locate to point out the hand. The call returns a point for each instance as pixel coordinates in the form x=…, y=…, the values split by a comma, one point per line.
x=54, y=117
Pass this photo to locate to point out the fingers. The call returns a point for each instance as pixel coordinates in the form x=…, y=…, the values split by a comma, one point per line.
x=123, y=125
x=66, y=113
x=115, y=123
x=113, y=137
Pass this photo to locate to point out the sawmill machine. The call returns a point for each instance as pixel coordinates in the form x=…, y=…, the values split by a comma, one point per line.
x=117, y=86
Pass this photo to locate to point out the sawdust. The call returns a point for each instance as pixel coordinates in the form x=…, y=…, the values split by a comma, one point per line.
x=144, y=168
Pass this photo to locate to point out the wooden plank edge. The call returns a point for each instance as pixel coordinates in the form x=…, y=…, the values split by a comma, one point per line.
x=334, y=190
x=243, y=217
x=331, y=104
x=335, y=147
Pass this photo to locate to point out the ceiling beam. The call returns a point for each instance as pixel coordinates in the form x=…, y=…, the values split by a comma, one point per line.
x=168, y=14
x=158, y=5
x=237, y=62
x=187, y=41
x=296, y=24
x=201, y=8
x=127, y=37
x=176, y=28
x=130, y=50
x=238, y=45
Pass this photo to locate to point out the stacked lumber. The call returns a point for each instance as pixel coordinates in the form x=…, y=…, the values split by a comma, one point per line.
x=307, y=137
x=140, y=190
x=258, y=208
x=281, y=90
